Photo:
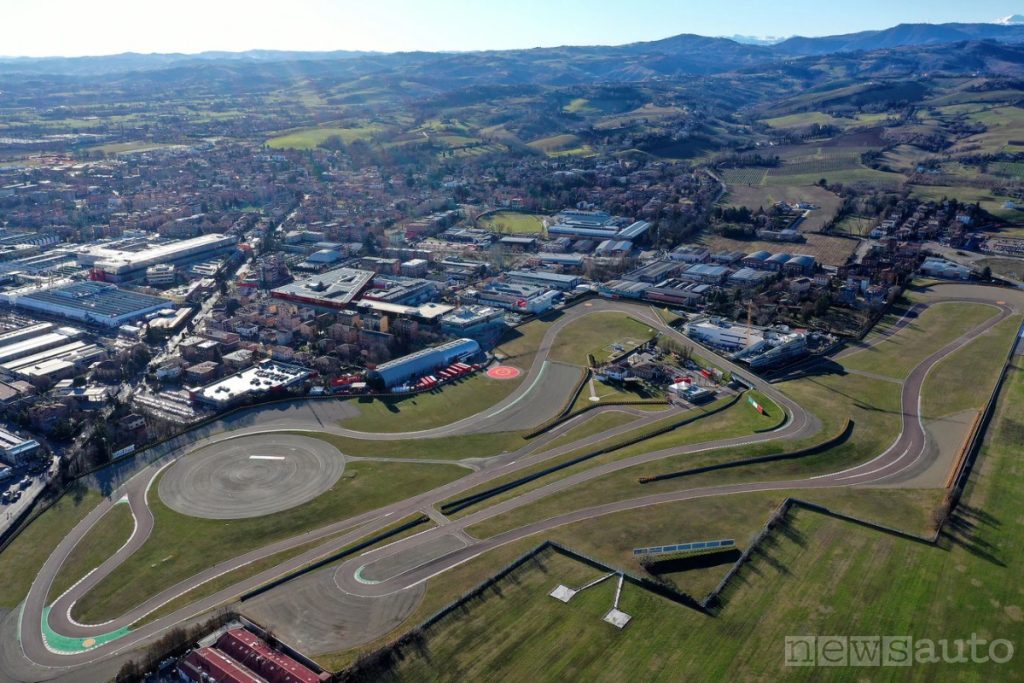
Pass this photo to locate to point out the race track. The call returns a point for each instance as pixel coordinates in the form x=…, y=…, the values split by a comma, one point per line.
x=384, y=584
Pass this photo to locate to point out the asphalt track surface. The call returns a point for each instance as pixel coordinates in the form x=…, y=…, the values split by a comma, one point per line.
x=251, y=476
x=415, y=559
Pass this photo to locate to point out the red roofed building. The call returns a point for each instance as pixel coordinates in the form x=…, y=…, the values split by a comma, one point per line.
x=208, y=665
x=251, y=651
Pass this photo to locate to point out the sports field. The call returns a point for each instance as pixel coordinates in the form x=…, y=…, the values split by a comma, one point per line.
x=512, y=222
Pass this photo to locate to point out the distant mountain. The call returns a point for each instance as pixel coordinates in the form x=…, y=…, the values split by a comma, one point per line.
x=1012, y=20
x=901, y=50
x=756, y=40
x=904, y=35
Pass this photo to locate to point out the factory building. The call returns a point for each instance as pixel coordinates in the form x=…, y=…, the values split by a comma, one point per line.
x=475, y=322
x=264, y=378
x=96, y=303
x=514, y=297
x=758, y=347
x=415, y=365
x=558, y=281
x=332, y=290
x=15, y=450
x=111, y=264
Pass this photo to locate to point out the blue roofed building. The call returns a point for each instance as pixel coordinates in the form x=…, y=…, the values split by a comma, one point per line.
x=97, y=303
x=423, y=362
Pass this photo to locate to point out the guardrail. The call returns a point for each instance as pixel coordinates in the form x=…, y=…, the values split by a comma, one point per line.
x=345, y=552
x=831, y=442
x=467, y=501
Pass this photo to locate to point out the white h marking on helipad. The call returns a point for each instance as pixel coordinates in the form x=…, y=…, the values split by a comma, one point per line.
x=266, y=457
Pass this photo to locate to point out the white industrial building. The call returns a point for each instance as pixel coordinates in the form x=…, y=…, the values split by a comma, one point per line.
x=265, y=378
x=114, y=264
x=758, y=347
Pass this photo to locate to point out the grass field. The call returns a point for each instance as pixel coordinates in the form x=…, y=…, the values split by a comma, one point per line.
x=858, y=226
x=872, y=404
x=765, y=197
x=937, y=326
x=512, y=222
x=595, y=424
x=595, y=334
x=433, y=409
x=737, y=420
x=21, y=561
x=310, y=138
x=110, y=533
x=815, y=576
x=230, y=578
x=562, y=145
x=129, y=147
x=1003, y=267
x=181, y=546
x=964, y=380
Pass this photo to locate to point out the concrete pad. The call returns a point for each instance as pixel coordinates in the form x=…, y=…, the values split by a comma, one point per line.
x=563, y=593
x=251, y=476
x=617, y=618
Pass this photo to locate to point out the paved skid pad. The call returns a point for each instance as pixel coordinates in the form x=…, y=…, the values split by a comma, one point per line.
x=311, y=613
x=251, y=476
x=392, y=565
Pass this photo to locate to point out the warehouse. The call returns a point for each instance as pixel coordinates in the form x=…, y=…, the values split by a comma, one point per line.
x=97, y=303
x=475, y=322
x=415, y=365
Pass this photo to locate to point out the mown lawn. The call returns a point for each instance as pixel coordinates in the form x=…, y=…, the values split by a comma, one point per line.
x=449, y=404
x=102, y=541
x=815, y=576
x=21, y=561
x=964, y=380
x=934, y=328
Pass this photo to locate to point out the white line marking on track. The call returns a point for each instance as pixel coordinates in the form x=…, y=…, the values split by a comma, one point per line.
x=266, y=457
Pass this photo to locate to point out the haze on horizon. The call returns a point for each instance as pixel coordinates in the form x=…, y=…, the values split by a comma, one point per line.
x=103, y=27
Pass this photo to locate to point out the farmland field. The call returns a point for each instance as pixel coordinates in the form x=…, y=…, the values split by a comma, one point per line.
x=831, y=251
x=309, y=138
x=744, y=176
x=754, y=197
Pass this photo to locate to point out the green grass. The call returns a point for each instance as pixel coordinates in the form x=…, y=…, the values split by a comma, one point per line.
x=310, y=138
x=818, y=576
x=737, y=420
x=512, y=222
x=1003, y=267
x=490, y=639
x=964, y=380
x=433, y=409
x=872, y=404
x=595, y=424
x=181, y=546
x=594, y=334
x=933, y=329
x=102, y=541
x=21, y=561
x=242, y=573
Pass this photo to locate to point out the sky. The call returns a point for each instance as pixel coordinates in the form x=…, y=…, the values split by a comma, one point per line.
x=91, y=27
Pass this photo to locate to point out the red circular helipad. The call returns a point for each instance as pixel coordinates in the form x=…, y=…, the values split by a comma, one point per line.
x=503, y=372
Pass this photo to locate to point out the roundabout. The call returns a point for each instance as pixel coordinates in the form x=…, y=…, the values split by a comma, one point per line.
x=251, y=476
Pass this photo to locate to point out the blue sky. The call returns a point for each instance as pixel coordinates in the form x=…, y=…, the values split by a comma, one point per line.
x=77, y=27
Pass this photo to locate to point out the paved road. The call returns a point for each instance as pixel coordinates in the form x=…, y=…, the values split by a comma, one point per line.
x=899, y=461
